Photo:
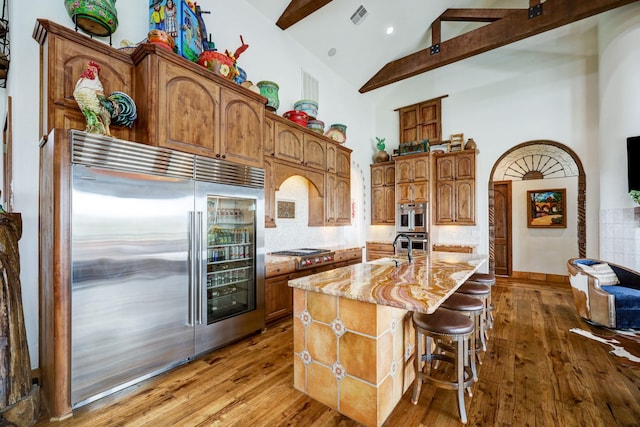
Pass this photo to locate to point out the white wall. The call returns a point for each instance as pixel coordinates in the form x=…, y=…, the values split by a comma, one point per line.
x=543, y=250
x=271, y=55
x=544, y=87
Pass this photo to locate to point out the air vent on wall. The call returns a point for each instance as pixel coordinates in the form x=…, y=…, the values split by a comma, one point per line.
x=359, y=15
x=310, y=87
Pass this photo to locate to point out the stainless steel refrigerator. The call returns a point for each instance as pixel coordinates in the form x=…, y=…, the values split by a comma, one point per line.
x=167, y=260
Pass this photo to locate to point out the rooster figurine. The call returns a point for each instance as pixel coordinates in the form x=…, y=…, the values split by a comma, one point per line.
x=101, y=111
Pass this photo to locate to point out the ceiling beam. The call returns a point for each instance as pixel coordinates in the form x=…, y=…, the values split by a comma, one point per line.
x=466, y=15
x=513, y=27
x=298, y=10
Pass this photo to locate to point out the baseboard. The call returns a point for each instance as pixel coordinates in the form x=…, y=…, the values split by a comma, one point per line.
x=540, y=277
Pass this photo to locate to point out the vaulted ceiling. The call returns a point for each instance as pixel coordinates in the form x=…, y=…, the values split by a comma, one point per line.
x=421, y=42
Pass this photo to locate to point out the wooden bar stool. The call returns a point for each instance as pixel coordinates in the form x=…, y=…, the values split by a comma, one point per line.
x=447, y=325
x=483, y=293
x=474, y=309
x=488, y=279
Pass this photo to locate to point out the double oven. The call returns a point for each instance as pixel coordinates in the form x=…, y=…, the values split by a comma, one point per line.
x=412, y=219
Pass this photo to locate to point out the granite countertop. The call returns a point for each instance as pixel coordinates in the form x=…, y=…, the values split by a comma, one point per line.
x=418, y=286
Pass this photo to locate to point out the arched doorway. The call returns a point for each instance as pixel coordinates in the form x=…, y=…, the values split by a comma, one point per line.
x=538, y=159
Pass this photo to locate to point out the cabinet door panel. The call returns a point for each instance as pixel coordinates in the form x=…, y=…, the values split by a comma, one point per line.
x=377, y=176
x=465, y=166
x=315, y=153
x=445, y=168
x=445, y=202
x=421, y=168
x=420, y=191
x=268, y=141
x=242, y=121
x=188, y=111
x=390, y=175
x=343, y=201
x=378, y=205
x=343, y=162
x=404, y=172
x=390, y=205
x=289, y=143
x=278, y=300
x=465, y=202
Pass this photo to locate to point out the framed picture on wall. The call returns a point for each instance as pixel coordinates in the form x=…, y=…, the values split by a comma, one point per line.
x=547, y=208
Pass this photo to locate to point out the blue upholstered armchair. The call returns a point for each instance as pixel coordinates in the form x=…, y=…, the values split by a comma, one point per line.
x=605, y=293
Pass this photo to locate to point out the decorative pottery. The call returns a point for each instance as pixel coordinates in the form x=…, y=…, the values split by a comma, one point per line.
x=337, y=135
x=316, y=126
x=96, y=17
x=381, y=156
x=219, y=63
x=342, y=128
x=270, y=91
x=308, y=106
x=299, y=117
x=161, y=38
x=470, y=145
x=241, y=76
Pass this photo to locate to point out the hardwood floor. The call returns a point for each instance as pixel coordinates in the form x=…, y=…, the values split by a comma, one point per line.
x=535, y=373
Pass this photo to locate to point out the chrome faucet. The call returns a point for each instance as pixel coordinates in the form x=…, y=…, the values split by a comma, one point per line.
x=409, y=257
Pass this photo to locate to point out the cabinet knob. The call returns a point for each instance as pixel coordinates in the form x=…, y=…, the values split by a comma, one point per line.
x=218, y=155
x=224, y=156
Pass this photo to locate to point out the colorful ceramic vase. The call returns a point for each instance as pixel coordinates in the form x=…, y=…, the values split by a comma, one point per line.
x=316, y=126
x=299, y=117
x=270, y=91
x=308, y=106
x=219, y=63
x=241, y=76
x=342, y=128
x=96, y=17
x=161, y=38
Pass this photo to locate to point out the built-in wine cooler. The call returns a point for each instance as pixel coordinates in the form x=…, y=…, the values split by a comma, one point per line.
x=230, y=257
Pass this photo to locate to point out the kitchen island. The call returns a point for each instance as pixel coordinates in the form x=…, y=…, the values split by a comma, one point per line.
x=353, y=338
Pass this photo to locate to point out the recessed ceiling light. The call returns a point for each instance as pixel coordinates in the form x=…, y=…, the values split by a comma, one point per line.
x=389, y=29
x=332, y=51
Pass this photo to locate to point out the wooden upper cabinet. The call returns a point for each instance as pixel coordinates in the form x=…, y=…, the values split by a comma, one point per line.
x=338, y=160
x=421, y=121
x=241, y=129
x=383, y=174
x=65, y=55
x=187, y=117
x=383, y=195
x=412, y=168
x=315, y=152
x=289, y=143
x=455, y=188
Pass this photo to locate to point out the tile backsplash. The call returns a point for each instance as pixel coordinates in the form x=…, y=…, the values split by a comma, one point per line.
x=620, y=237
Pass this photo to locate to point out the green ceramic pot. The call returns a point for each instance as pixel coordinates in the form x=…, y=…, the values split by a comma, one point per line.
x=270, y=91
x=96, y=17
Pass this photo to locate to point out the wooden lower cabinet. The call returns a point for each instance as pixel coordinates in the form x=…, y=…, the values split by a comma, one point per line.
x=453, y=248
x=377, y=250
x=278, y=296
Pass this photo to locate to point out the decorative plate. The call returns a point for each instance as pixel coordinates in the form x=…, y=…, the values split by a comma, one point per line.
x=337, y=135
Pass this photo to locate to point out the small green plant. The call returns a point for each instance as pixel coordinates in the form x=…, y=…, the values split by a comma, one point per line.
x=635, y=195
x=380, y=143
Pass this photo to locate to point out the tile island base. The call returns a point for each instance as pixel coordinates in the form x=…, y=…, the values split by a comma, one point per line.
x=353, y=356
x=353, y=338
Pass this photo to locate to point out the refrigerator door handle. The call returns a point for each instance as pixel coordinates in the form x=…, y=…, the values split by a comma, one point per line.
x=192, y=264
x=198, y=266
